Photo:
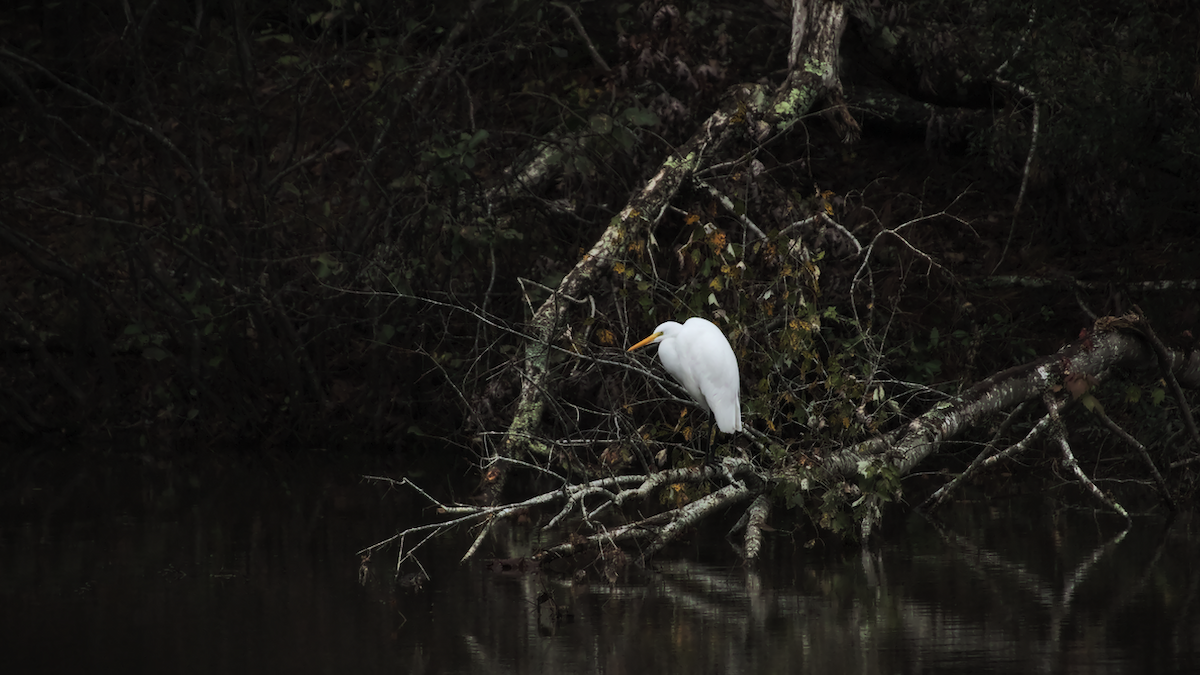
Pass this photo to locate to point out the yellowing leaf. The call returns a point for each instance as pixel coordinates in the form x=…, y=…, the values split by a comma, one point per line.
x=1091, y=403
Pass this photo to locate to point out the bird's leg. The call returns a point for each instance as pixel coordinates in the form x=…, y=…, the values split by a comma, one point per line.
x=710, y=453
x=688, y=433
x=695, y=435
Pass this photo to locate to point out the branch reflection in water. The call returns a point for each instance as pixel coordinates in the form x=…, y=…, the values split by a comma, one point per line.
x=151, y=567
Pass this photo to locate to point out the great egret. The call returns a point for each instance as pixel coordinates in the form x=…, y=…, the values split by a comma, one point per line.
x=697, y=354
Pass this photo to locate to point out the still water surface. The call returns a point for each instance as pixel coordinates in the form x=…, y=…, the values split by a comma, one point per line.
x=134, y=565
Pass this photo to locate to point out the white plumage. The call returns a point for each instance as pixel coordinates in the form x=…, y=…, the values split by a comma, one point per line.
x=697, y=354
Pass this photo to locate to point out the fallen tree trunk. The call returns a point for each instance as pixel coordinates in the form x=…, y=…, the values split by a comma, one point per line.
x=1116, y=345
x=859, y=479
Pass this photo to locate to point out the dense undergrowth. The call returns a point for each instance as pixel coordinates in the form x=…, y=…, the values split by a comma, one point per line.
x=291, y=225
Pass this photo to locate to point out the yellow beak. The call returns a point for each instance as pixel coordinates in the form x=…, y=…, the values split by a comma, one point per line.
x=645, y=342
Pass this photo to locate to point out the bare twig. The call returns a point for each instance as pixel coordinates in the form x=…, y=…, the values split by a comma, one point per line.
x=614, y=492
x=1033, y=133
x=439, y=58
x=935, y=500
x=1059, y=280
x=729, y=206
x=1163, y=489
x=1033, y=139
x=864, y=268
x=39, y=349
x=1059, y=434
x=1164, y=362
x=214, y=207
x=822, y=216
x=596, y=58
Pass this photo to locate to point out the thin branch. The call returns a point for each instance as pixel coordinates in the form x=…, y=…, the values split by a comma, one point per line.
x=1059, y=280
x=1059, y=434
x=935, y=500
x=39, y=350
x=1164, y=362
x=728, y=204
x=213, y=204
x=1033, y=133
x=596, y=58
x=1163, y=489
x=416, y=91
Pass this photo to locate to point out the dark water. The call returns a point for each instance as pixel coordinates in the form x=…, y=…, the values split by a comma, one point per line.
x=133, y=565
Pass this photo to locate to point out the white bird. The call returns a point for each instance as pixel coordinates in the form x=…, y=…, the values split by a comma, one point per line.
x=700, y=358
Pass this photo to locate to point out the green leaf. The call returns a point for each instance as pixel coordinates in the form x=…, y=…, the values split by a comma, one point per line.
x=327, y=265
x=155, y=353
x=625, y=137
x=479, y=137
x=601, y=124
x=888, y=39
x=640, y=116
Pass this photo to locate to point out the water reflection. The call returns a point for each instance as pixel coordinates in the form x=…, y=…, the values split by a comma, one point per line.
x=150, y=567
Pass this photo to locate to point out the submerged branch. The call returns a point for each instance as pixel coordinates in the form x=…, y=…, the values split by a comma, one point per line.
x=660, y=529
x=1098, y=356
